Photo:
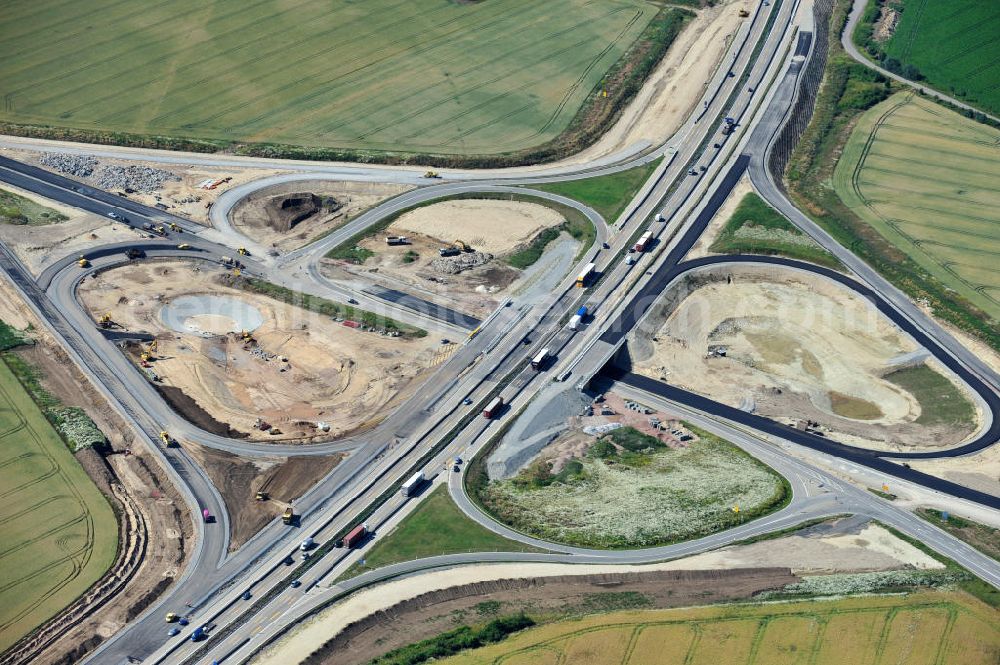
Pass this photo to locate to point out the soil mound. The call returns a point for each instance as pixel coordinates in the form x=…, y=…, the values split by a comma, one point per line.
x=284, y=211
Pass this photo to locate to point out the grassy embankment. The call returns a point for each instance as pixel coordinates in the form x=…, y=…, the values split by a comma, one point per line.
x=326, y=307
x=59, y=533
x=950, y=45
x=631, y=490
x=940, y=401
x=757, y=228
x=849, y=89
x=434, y=528
x=984, y=538
x=576, y=225
x=475, y=84
x=20, y=211
x=607, y=194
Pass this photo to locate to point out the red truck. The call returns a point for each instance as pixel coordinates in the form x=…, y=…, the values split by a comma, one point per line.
x=355, y=536
x=493, y=408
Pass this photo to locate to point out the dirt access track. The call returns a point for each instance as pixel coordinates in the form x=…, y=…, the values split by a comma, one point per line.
x=491, y=229
x=797, y=348
x=290, y=215
x=300, y=369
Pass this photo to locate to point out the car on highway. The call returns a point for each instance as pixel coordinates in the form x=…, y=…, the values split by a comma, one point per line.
x=296, y=584
x=289, y=561
x=113, y=215
x=183, y=621
x=458, y=460
x=352, y=301
x=174, y=631
x=246, y=595
x=605, y=245
x=692, y=172
x=467, y=401
x=171, y=617
x=456, y=468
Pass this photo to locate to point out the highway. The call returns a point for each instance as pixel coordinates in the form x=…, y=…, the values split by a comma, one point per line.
x=766, y=60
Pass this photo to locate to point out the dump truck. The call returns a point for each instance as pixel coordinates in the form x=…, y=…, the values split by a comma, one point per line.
x=397, y=240
x=243, y=251
x=227, y=261
x=462, y=245
x=83, y=262
x=449, y=251
x=174, y=226
x=431, y=174
x=493, y=408
x=411, y=486
x=288, y=515
x=355, y=536
x=743, y=13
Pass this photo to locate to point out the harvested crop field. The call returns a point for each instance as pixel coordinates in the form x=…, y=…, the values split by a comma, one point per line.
x=298, y=370
x=427, y=75
x=928, y=180
x=59, y=533
x=803, y=350
x=901, y=630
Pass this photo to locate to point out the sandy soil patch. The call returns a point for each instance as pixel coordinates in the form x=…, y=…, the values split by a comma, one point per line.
x=673, y=90
x=726, y=210
x=822, y=549
x=980, y=471
x=487, y=225
x=796, y=347
x=338, y=202
x=301, y=368
x=184, y=197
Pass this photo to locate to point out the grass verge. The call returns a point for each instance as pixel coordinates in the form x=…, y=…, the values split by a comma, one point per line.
x=984, y=538
x=326, y=307
x=607, y=194
x=848, y=89
x=455, y=641
x=20, y=211
x=434, y=528
x=941, y=403
x=757, y=228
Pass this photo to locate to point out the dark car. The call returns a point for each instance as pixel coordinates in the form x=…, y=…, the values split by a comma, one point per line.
x=174, y=631
x=246, y=595
x=605, y=245
x=296, y=584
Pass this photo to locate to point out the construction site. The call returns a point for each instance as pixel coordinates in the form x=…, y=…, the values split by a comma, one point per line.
x=805, y=351
x=290, y=215
x=242, y=364
x=457, y=250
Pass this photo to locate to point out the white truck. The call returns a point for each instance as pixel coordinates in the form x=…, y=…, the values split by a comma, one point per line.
x=411, y=486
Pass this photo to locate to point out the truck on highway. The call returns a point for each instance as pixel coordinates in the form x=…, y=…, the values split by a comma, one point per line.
x=288, y=515
x=644, y=241
x=493, y=408
x=581, y=314
x=586, y=274
x=411, y=486
x=356, y=535
x=539, y=360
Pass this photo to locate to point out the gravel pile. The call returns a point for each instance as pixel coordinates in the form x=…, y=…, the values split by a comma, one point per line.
x=133, y=178
x=453, y=265
x=80, y=166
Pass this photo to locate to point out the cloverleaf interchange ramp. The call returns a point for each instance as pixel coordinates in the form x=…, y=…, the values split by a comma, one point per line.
x=330, y=502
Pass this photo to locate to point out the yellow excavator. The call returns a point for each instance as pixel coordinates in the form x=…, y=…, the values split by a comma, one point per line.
x=243, y=251
x=105, y=320
x=432, y=174
x=174, y=226
x=83, y=262
x=462, y=246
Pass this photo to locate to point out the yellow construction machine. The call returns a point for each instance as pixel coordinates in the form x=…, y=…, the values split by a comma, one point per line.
x=462, y=246
x=243, y=251
x=83, y=262
x=174, y=226
x=432, y=174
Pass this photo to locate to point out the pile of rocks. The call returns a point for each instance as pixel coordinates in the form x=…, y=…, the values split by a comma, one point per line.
x=133, y=178
x=452, y=265
x=81, y=166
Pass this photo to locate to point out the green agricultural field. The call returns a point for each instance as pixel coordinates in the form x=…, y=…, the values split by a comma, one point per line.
x=58, y=534
x=426, y=76
x=928, y=180
x=955, y=44
x=911, y=629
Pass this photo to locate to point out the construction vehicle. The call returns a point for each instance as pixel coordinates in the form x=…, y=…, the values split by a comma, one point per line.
x=242, y=251
x=431, y=174
x=171, y=617
x=227, y=260
x=262, y=495
x=165, y=437
x=288, y=515
x=397, y=240
x=743, y=13
x=159, y=230
x=449, y=251
x=174, y=226
x=183, y=245
x=133, y=253
x=83, y=262
x=462, y=246
x=105, y=320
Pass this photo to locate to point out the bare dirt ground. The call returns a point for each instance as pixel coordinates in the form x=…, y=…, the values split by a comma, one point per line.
x=38, y=246
x=300, y=370
x=674, y=88
x=168, y=530
x=185, y=197
x=284, y=480
x=338, y=203
x=726, y=210
x=425, y=605
x=491, y=227
x=797, y=348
